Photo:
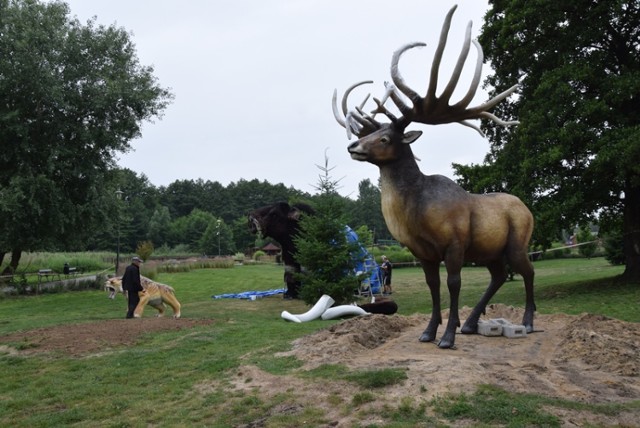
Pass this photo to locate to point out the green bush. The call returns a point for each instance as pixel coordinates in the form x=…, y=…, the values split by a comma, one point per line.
x=400, y=256
x=144, y=250
x=614, y=248
x=176, y=266
x=585, y=235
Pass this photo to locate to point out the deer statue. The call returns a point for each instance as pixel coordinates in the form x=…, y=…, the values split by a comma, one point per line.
x=430, y=214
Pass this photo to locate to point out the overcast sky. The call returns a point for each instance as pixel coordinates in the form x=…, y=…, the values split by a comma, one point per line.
x=253, y=82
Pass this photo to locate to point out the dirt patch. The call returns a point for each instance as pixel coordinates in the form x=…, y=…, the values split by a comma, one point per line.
x=585, y=358
x=90, y=338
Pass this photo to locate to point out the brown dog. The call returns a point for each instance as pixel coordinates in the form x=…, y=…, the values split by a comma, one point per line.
x=154, y=294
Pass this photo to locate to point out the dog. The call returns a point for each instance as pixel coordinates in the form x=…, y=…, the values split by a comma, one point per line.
x=154, y=294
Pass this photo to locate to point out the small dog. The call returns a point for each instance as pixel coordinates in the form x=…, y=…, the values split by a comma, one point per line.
x=154, y=294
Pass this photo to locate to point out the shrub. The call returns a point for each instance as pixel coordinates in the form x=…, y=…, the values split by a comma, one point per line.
x=145, y=249
x=614, y=248
x=585, y=235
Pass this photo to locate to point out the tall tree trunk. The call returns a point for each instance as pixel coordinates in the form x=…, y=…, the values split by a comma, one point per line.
x=11, y=268
x=15, y=259
x=631, y=233
x=2, y=253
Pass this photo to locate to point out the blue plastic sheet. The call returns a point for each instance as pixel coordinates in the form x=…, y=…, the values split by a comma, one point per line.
x=365, y=262
x=248, y=294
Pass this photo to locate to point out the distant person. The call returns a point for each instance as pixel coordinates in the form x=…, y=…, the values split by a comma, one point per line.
x=386, y=276
x=132, y=285
x=66, y=269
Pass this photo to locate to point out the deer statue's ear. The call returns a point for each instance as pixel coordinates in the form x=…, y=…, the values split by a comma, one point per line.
x=411, y=136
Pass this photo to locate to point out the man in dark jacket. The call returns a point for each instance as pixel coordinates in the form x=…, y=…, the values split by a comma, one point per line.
x=132, y=285
x=386, y=275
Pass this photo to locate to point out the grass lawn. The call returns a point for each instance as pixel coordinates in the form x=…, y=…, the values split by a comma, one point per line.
x=158, y=381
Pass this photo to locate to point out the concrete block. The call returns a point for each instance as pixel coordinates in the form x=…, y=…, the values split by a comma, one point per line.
x=513, y=330
x=489, y=328
x=510, y=330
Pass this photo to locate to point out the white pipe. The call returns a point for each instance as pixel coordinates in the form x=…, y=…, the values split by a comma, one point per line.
x=343, y=310
x=315, y=312
x=289, y=317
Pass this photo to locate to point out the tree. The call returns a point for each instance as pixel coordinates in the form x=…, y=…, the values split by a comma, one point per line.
x=183, y=196
x=575, y=156
x=159, y=224
x=365, y=236
x=323, y=249
x=73, y=96
x=244, y=240
x=217, y=239
x=368, y=210
x=586, y=238
x=190, y=229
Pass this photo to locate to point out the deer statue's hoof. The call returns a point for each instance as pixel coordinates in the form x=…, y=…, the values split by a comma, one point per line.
x=426, y=337
x=469, y=329
x=446, y=344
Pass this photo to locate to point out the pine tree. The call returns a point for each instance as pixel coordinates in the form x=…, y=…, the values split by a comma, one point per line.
x=323, y=250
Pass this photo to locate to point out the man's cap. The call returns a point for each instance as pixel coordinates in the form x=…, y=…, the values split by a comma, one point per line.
x=136, y=259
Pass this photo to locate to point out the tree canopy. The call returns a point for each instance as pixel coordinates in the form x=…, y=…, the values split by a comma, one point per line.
x=575, y=157
x=73, y=95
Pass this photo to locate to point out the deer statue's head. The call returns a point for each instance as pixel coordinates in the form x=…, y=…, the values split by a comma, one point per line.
x=384, y=145
x=383, y=142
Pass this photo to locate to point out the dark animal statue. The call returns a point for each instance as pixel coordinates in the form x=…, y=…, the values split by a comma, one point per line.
x=280, y=222
x=430, y=214
x=381, y=306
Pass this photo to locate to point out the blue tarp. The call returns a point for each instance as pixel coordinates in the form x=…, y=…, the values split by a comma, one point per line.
x=248, y=294
x=365, y=263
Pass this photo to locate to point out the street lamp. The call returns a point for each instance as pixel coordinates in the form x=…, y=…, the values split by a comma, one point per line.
x=119, y=194
x=218, y=233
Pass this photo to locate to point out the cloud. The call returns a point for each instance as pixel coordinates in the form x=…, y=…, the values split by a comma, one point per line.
x=253, y=83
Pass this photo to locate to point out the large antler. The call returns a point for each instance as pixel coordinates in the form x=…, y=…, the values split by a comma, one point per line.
x=429, y=109
x=357, y=121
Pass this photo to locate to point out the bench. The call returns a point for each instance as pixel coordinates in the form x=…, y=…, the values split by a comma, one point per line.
x=67, y=270
x=72, y=271
x=46, y=274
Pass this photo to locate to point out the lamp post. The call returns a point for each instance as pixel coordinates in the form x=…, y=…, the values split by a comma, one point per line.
x=118, y=197
x=218, y=233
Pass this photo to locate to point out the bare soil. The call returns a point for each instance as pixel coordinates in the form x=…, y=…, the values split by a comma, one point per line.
x=585, y=358
x=84, y=339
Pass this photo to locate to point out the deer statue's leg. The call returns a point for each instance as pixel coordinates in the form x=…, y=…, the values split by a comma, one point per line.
x=432, y=276
x=498, y=271
x=453, y=283
x=523, y=266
